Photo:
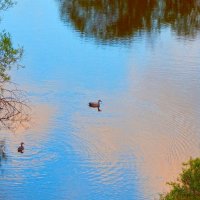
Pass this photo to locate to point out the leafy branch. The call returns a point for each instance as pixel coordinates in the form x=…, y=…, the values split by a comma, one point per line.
x=9, y=56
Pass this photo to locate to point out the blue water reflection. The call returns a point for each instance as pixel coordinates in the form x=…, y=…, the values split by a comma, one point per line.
x=149, y=119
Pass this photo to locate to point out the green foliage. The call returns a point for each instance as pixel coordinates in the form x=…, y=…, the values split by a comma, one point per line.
x=5, y=4
x=187, y=186
x=9, y=56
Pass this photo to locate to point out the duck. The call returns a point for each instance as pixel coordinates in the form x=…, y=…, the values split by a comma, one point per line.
x=95, y=104
x=21, y=148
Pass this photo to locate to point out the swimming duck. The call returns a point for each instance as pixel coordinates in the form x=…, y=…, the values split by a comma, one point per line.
x=95, y=104
x=21, y=148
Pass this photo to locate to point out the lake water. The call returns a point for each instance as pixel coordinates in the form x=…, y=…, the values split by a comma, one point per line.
x=142, y=59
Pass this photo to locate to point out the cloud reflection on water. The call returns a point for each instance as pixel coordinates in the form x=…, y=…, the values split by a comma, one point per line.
x=150, y=127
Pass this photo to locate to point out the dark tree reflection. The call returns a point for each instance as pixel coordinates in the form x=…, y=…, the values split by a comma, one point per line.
x=108, y=19
x=183, y=16
x=122, y=19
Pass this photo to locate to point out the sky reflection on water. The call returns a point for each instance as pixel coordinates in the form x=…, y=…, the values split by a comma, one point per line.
x=150, y=112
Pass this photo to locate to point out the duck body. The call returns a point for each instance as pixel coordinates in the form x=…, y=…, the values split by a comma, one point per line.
x=21, y=148
x=95, y=104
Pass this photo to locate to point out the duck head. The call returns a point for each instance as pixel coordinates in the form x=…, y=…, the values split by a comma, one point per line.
x=99, y=101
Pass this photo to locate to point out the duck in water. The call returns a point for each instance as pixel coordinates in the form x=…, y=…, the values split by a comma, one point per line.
x=21, y=148
x=95, y=104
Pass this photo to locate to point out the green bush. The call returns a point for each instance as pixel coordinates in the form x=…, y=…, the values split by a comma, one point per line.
x=187, y=186
x=9, y=56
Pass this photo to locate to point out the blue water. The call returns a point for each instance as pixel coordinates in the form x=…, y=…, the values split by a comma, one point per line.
x=149, y=85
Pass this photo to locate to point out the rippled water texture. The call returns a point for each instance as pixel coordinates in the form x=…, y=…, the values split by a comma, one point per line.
x=141, y=58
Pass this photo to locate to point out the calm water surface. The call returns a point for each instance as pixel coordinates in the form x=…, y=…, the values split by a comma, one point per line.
x=141, y=58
